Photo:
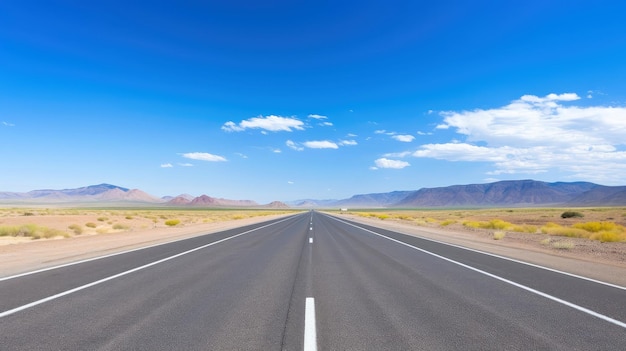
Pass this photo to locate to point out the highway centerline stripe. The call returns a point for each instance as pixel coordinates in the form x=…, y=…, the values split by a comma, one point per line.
x=524, y=287
x=71, y=291
x=310, y=333
x=310, y=240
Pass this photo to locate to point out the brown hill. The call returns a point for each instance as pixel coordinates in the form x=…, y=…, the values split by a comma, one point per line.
x=208, y=201
x=276, y=204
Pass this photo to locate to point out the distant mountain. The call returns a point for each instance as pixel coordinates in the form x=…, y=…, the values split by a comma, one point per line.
x=501, y=194
x=374, y=200
x=276, y=204
x=504, y=193
x=208, y=201
x=310, y=203
x=92, y=193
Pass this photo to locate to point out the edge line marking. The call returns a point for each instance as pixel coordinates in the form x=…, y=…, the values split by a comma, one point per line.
x=82, y=287
x=524, y=287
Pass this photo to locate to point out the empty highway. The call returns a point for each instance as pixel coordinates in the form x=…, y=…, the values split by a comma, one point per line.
x=308, y=281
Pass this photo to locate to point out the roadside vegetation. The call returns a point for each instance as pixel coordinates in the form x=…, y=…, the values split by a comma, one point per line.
x=602, y=224
x=44, y=223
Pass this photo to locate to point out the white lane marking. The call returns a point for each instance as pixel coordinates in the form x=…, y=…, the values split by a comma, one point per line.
x=53, y=297
x=109, y=255
x=310, y=333
x=524, y=287
x=510, y=259
x=311, y=228
x=310, y=240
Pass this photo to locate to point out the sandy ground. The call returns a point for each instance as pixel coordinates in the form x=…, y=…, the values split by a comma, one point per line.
x=602, y=261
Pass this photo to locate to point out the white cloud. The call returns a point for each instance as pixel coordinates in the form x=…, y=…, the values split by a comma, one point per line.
x=203, y=156
x=317, y=116
x=185, y=164
x=537, y=134
x=348, y=142
x=166, y=165
x=241, y=155
x=293, y=145
x=405, y=138
x=7, y=124
x=326, y=124
x=269, y=123
x=277, y=151
x=290, y=182
x=321, y=144
x=380, y=131
x=398, y=154
x=387, y=163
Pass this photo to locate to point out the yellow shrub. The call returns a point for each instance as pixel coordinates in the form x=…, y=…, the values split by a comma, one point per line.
x=566, y=231
x=596, y=227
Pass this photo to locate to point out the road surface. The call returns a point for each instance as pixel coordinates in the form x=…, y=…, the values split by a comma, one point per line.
x=309, y=281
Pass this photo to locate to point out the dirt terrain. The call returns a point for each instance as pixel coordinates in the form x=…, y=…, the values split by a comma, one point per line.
x=589, y=258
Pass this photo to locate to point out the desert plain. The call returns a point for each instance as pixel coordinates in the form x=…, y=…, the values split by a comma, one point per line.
x=55, y=236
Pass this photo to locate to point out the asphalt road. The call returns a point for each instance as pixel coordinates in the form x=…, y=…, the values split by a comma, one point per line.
x=304, y=282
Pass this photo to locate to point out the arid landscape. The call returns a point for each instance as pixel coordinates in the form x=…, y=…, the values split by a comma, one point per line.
x=33, y=238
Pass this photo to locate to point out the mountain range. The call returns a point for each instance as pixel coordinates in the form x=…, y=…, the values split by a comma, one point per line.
x=512, y=193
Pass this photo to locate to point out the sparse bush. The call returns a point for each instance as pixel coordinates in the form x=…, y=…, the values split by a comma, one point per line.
x=563, y=245
x=572, y=214
x=119, y=226
x=499, y=235
x=78, y=230
x=28, y=214
x=103, y=219
x=90, y=225
x=447, y=222
x=30, y=230
x=129, y=217
x=172, y=222
x=596, y=227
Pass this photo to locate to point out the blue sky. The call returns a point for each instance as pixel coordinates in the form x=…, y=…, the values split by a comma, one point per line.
x=286, y=100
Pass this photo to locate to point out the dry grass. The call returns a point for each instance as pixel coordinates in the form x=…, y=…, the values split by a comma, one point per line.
x=40, y=223
x=603, y=224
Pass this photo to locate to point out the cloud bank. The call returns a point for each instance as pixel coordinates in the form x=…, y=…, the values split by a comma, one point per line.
x=539, y=134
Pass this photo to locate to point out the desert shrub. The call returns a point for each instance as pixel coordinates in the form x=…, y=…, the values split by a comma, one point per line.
x=28, y=214
x=555, y=229
x=90, y=225
x=120, y=226
x=563, y=245
x=172, y=222
x=609, y=236
x=545, y=241
x=77, y=229
x=447, y=222
x=31, y=230
x=497, y=224
x=596, y=227
x=572, y=214
x=499, y=235
x=129, y=217
x=524, y=228
x=103, y=219
x=382, y=216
